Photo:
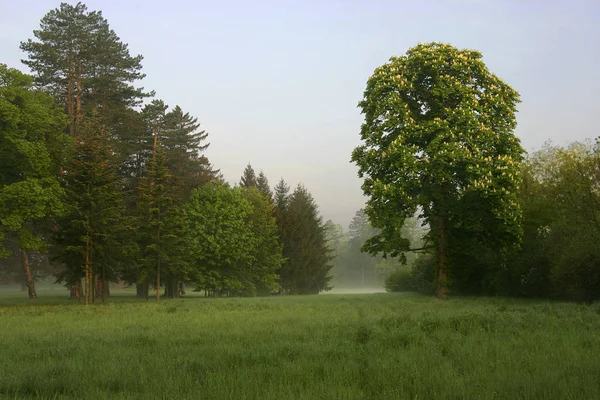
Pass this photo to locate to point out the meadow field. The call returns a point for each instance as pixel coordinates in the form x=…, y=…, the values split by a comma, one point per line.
x=336, y=346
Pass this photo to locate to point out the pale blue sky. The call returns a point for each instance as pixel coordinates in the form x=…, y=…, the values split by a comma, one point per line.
x=276, y=83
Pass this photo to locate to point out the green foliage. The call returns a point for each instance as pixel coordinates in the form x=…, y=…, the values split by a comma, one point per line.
x=83, y=64
x=400, y=281
x=93, y=233
x=232, y=241
x=160, y=224
x=184, y=144
x=163, y=164
x=248, y=179
x=438, y=139
x=424, y=270
x=30, y=139
x=304, y=242
x=267, y=251
x=561, y=203
x=262, y=183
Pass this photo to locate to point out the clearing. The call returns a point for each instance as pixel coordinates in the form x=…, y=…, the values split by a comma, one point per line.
x=339, y=346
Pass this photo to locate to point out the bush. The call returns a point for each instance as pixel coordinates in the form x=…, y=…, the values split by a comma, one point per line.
x=424, y=271
x=400, y=281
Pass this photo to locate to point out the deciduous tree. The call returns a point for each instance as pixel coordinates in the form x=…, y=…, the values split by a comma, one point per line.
x=30, y=143
x=438, y=135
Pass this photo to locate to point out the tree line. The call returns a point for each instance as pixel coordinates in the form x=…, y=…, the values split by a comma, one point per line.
x=101, y=182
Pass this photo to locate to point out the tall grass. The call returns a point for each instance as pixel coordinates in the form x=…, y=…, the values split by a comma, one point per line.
x=378, y=346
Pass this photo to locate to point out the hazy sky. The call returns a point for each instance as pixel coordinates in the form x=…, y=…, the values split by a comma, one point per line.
x=276, y=83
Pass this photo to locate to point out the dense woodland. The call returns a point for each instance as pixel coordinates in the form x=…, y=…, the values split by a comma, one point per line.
x=100, y=182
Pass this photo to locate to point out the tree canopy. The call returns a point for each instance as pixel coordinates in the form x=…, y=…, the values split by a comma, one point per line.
x=438, y=137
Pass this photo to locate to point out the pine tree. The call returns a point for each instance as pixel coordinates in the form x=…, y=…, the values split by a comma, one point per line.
x=304, y=246
x=160, y=226
x=281, y=201
x=184, y=144
x=83, y=64
x=248, y=179
x=262, y=183
x=281, y=196
x=89, y=240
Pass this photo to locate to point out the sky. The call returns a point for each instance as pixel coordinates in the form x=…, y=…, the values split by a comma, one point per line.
x=277, y=83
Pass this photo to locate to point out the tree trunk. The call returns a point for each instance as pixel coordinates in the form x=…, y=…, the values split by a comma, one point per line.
x=169, y=288
x=172, y=288
x=79, y=92
x=105, y=289
x=28, y=278
x=102, y=288
x=442, y=276
x=87, y=277
x=142, y=289
x=93, y=282
x=75, y=290
x=70, y=105
x=158, y=282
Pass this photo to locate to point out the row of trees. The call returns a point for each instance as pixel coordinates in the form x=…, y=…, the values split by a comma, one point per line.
x=115, y=187
x=438, y=142
x=560, y=196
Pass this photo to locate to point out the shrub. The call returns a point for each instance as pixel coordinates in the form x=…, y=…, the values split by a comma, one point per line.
x=400, y=281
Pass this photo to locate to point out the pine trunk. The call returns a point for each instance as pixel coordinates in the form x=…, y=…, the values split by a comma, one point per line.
x=79, y=92
x=70, y=106
x=442, y=278
x=87, y=277
x=158, y=282
x=102, y=288
x=93, y=283
x=28, y=277
x=75, y=290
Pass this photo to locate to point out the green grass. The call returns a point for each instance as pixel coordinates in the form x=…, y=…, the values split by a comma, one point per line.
x=367, y=346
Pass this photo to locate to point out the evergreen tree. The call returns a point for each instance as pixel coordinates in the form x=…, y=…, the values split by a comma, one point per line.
x=184, y=144
x=89, y=240
x=304, y=246
x=160, y=228
x=281, y=201
x=248, y=179
x=262, y=183
x=83, y=64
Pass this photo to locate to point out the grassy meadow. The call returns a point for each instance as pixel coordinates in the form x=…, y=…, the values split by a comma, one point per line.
x=335, y=346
